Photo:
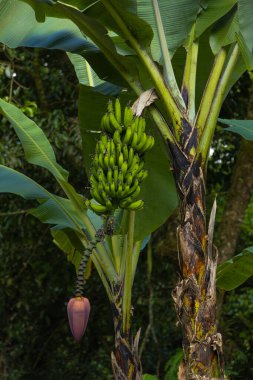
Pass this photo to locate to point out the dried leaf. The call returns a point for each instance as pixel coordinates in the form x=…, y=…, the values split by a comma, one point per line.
x=144, y=100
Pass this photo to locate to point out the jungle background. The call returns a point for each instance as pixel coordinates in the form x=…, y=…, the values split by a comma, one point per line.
x=37, y=281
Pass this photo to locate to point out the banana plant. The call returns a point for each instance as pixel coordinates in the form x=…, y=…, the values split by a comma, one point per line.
x=102, y=228
x=190, y=53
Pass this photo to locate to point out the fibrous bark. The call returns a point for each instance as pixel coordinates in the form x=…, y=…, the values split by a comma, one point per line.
x=195, y=294
x=126, y=363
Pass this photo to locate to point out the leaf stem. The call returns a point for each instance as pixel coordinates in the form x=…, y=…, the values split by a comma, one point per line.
x=102, y=274
x=89, y=74
x=116, y=252
x=189, y=79
x=206, y=138
x=127, y=295
x=136, y=254
x=210, y=89
x=168, y=69
x=164, y=93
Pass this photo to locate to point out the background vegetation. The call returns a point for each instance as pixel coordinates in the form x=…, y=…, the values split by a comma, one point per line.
x=36, y=281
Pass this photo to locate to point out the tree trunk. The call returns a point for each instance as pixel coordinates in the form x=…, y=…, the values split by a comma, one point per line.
x=126, y=364
x=195, y=294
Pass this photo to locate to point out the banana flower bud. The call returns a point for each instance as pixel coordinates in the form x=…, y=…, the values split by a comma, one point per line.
x=78, y=315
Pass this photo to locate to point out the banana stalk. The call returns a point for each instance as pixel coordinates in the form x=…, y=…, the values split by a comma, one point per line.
x=195, y=294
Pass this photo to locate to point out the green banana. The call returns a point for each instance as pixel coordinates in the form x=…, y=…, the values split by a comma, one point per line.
x=110, y=107
x=117, y=107
x=104, y=139
x=119, y=190
x=104, y=196
x=142, y=125
x=95, y=194
x=128, y=135
x=109, y=176
x=128, y=116
x=106, y=161
x=108, y=148
x=95, y=163
x=101, y=147
x=129, y=178
x=135, y=162
x=142, y=175
x=125, y=191
x=100, y=187
x=130, y=156
x=112, y=146
x=116, y=176
x=109, y=205
x=148, y=145
x=113, y=189
x=115, y=124
x=135, y=124
x=134, y=140
x=101, y=161
x=97, y=208
x=125, y=152
x=137, y=205
x=124, y=168
x=120, y=176
x=120, y=160
x=124, y=203
x=116, y=137
x=118, y=164
x=118, y=150
x=107, y=125
x=142, y=142
x=136, y=192
x=112, y=161
x=134, y=187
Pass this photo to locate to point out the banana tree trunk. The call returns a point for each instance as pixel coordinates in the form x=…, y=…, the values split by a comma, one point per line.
x=126, y=364
x=195, y=294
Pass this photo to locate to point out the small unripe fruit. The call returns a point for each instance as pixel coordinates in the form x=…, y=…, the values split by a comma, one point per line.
x=78, y=314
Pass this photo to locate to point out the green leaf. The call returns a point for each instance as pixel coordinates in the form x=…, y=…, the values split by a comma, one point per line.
x=34, y=30
x=237, y=72
x=234, y=272
x=96, y=31
x=88, y=77
x=78, y=4
x=205, y=62
x=245, y=52
x=84, y=72
x=224, y=31
x=139, y=28
x=245, y=16
x=149, y=377
x=158, y=191
x=178, y=17
x=38, y=150
x=242, y=127
x=53, y=209
x=212, y=12
x=171, y=367
x=68, y=241
x=89, y=121
x=17, y=183
x=44, y=26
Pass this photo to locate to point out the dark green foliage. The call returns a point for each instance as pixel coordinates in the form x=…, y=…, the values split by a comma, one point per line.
x=36, y=281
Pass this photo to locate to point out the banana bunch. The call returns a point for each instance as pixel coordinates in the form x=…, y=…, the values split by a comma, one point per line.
x=118, y=164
